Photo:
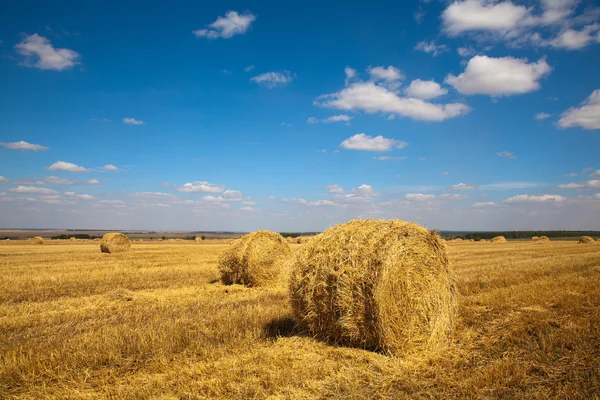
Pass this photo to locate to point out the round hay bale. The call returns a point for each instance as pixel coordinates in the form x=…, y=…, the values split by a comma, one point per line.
x=303, y=239
x=198, y=239
x=160, y=239
x=36, y=240
x=114, y=242
x=483, y=240
x=254, y=259
x=586, y=240
x=73, y=239
x=377, y=284
x=543, y=240
x=499, y=239
x=535, y=238
x=291, y=239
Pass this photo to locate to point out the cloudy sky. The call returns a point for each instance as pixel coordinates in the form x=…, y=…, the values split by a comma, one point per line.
x=472, y=114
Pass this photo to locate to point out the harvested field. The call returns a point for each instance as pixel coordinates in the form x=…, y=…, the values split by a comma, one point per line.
x=155, y=322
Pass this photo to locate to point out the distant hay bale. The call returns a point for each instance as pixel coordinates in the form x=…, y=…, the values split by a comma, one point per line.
x=378, y=284
x=73, y=239
x=586, y=240
x=291, y=239
x=457, y=240
x=470, y=240
x=499, y=239
x=36, y=240
x=543, y=240
x=534, y=238
x=198, y=239
x=303, y=239
x=254, y=259
x=483, y=240
x=115, y=242
x=160, y=239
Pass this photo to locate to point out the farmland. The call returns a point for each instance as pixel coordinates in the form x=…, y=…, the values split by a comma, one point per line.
x=155, y=322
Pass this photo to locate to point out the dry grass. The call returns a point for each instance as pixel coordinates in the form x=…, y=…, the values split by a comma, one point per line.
x=155, y=323
x=378, y=284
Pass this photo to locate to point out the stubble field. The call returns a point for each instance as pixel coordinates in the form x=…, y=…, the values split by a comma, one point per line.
x=155, y=323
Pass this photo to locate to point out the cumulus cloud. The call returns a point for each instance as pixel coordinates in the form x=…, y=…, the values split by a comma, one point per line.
x=132, y=121
x=572, y=39
x=506, y=154
x=541, y=116
x=312, y=120
x=431, y=47
x=110, y=167
x=390, y=73
x=595, y=174
x=92, y=182
x=32, y=190
x=4, y=180
x=350, y=73
x=338, y=118
x=544, y=198
x=587, y=115
x=591, y=184
x=200, y=186
x=249, y=68
x=116, y=203
x=38, y=52
x=425, y=90
x=153, y=195
x=335, y=188
x=365, y=142
x=58, y=181
x=510, y=185
x=502, y=76
x=79, y=196
x=273, y=79
x=66, y=166
x=463, y=186
x=453, y=196
x=228, y=26
x=484, y=204
x=228, y=195
x=24, y=146
x=373, y=98
x=476, y=15
x=419, y=197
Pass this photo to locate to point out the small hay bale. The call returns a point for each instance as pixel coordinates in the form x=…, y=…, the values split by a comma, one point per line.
x=483, y=241
x=254, y=259
x=73, y=239
x=303, y=239
x=376, y=284
x=586, y=240
x=535, y=238
x=115, y=242
x=499, y=239
x=457, y=240
x=160, y=239
x=543, y=240
x=470, y=240
x=198, y=239
x=36, y=240
x=291, y=239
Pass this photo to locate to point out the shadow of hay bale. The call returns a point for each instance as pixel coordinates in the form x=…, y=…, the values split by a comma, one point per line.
x=282, y=327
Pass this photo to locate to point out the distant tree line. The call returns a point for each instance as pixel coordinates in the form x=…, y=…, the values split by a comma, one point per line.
x=525, y=234
x=296, y=234
x=77, y=236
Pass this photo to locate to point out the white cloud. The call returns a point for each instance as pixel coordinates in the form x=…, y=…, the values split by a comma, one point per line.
x=132, y=121
x=463, y=186
x=572, y=39
x=506, y=154
x=426, y=90
x=322, y=151
x=475, y=15
x=58, y=181
x=541, y=116
x=431, y=47
x=466, y=51
x=350, y=73
x=23, y=146
x=154, y=195
x=388, y=158
x=66, y=166
x=228, y=195
x=110, y=167
x=92, y=182
x=112, y=202
x=85, y=197
x=503, y=76
x=591, y=184
x=361, y=141
x=39, y=53
x=338, y=118
x=246, y=209
x=371, y=98
x=595, y=174
x=390, y=73
x=3, y=180
x=586, y=116
x=484, y=204
x=446, y=173
x=273, y=79
x=200, y=186
x=510, y=185
x=228, y=26
x=365, y=190
x=32, y=190
x=335, y=188
x=544, y=198
x=312, y=120
x=419, y=197
x=70, y=194
x=319, y=203
x=249, y=68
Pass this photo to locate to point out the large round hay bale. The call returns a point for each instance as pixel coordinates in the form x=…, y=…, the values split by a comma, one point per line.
x=378, y=284
x=198, y=239
x=254, y=259
x=586, y=240
x=499, y=239
x=114, y=242
x=36, y=240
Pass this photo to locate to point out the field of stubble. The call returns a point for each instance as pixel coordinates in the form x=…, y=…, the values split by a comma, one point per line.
x=155, y=323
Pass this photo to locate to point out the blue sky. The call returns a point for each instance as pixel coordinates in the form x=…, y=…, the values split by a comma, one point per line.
x=246, y=115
